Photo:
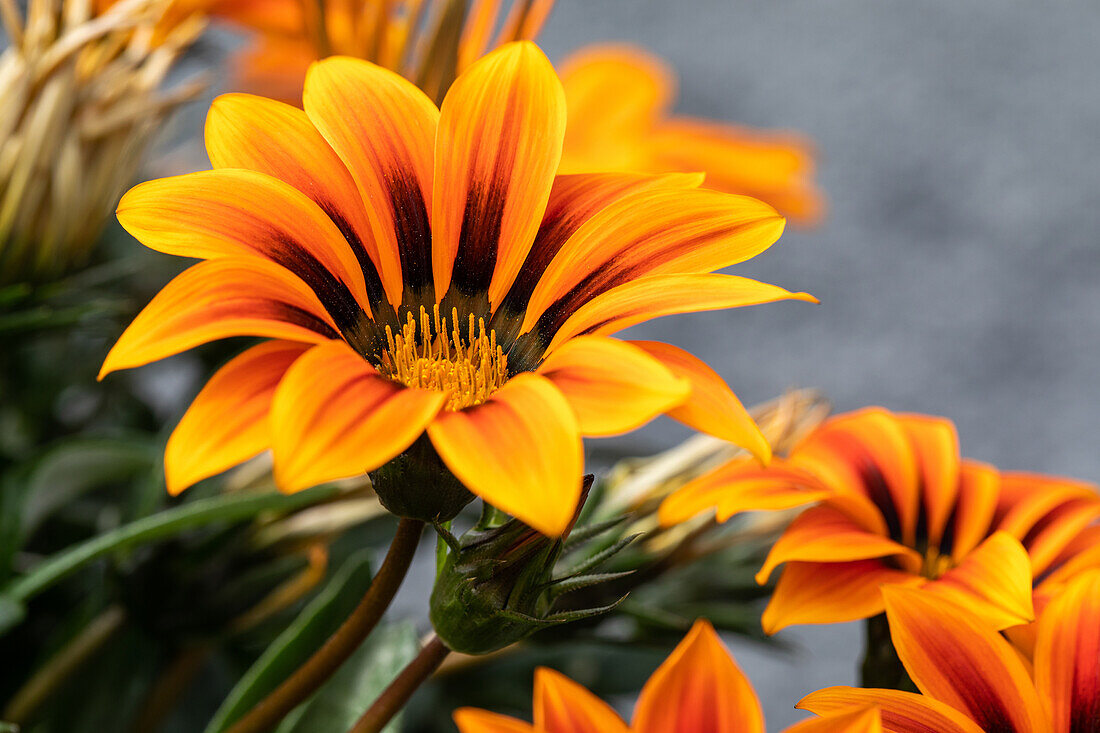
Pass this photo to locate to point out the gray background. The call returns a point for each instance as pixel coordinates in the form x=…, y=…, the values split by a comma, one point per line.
x=958, y=266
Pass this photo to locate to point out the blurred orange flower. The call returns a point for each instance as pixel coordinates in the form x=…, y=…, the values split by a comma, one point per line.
x=973, y=680
x=896, y=505
x=698, y=689
x=426, y=272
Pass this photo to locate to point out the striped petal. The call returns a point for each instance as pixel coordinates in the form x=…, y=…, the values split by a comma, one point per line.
x=936, y=445
x=230, y=211
x=1067, y=656
x=741, y=486
x=992, y=582
x=563, y=706
x=333, y=416
x=246, y=131
x=829, y=593
x=663, y=231
x=698, y=688
x=383, y=128
x=472, y=720
x=520, y=451
x=226, y=423
x=712, y=407
x=216, y=299
x=664, y=295
x=901, y=712
x=1050, y=537
x=612, y=386
x=824, y=534
x=862, y=720
x=979, y=487
x=1027, y=498
x=954, y=657
x=500, y=135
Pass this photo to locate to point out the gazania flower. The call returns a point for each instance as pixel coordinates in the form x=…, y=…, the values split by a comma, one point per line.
x=895, y=505
x=433, y=291
x=698, y=689
x=973, y=680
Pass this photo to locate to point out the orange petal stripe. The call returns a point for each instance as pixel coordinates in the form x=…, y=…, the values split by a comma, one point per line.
x=612, y=386
x=1067, y=656
x=979, y=489
x=563, y=706
x=936, y=447
x=864, y=720
x=334, y=417
x=472, y=720
x=520, y=451
x=901, y=712
x=227, y=422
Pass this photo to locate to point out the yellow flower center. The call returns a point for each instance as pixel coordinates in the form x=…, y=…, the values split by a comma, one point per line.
x=936, y=564
x=431, y=353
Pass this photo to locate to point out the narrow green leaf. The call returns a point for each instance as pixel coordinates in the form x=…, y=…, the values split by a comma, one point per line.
x=304, y=636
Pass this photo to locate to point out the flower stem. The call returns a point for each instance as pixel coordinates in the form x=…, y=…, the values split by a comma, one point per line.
x=394, y=697
x=881, y=667
x=325, y=661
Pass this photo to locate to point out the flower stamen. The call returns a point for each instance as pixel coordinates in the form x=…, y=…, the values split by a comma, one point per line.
x=430, y=353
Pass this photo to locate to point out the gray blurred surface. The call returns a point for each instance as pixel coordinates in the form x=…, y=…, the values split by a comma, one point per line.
x=958, y=267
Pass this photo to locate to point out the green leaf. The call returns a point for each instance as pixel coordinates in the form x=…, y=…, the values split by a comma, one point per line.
x=12, y=612
x=295, y=645
x=222, y=508
x=342, y=700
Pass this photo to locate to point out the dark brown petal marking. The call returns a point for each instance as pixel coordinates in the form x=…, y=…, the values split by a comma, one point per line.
x=339, y=393
x=262, y=308
x=1084, y=714
x=412, y=228
x=878, y=491
x=375, y=292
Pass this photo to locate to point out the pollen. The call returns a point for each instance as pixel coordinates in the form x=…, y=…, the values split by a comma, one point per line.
x=935, y=564
x=431, y=352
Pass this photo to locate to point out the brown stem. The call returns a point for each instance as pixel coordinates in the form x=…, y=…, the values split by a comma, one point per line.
x=325, y=661
x=394, y=697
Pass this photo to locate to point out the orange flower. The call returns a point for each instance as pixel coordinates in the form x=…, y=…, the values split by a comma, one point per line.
x=972, y=680
x=698, y=689
x=896, y=505
x=425, y=272
x=619, y=100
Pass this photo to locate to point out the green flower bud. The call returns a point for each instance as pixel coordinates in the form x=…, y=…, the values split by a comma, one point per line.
x=417, y=485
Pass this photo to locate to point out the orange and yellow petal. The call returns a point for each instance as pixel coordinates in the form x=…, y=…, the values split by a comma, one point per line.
x=901, y=712
x=520, y=451
x=979, y=488
x=712, y=407
x=499, y=144
x=563, y=706
x=829, y=593
x=384, y=129
x=612, y=386
x=741, y=486
x=246, y=131
x=824, y=534
x=861, y=720
x=655, y=296
x=1055, y=532
x=956, y=658
x=653, y=232
x=1067, y=656
x=936, y=445
x=231, y=211
x=226, y=423
x=333, y=416
x=216, y=299
x=992, y=582
x=698, y=688
x=473, y=720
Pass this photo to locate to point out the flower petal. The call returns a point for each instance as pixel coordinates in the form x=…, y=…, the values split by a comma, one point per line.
x=825, y=534
x=901, y=712
x=216, y=299
x=472, y=720
x=993, y=582
x=698, y=688
x=500, y=134
x=231, y=211
x=741, y=486
x=829, y=593
x=246, y=131
x=226, y=423
x=1026, y=498
x=663, y=295
x=333, y=416
x=936, y=447
x=712, y=407
x=956, y=658
x=1049, y=538
x=862, y=720
x=1067, y=650
x=654, y=232
x=612, y=386
x=520, y=451
x=563, y=706
x=384, y=129
x=979, y=487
